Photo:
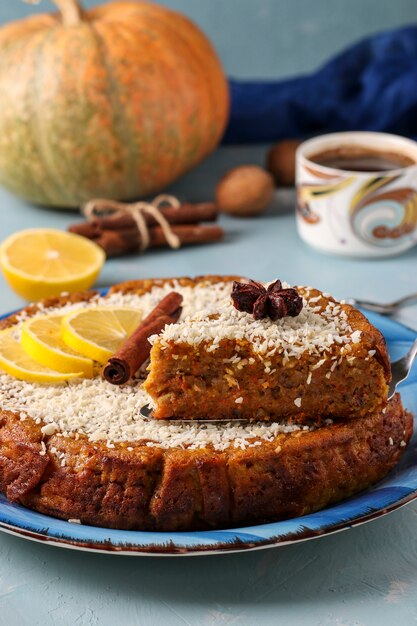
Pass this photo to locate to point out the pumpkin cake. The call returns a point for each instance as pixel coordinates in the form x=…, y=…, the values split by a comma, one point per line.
x=82, y=451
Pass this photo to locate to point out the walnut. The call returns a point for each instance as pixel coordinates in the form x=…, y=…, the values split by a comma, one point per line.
x=281, y=162
x=244, y=191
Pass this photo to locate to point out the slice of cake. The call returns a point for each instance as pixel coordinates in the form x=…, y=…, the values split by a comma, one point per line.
x=275, y=358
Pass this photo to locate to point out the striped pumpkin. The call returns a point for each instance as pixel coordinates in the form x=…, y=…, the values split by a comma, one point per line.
x=117, y=102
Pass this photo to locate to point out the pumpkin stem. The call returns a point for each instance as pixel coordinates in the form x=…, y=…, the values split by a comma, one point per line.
x=71, y=11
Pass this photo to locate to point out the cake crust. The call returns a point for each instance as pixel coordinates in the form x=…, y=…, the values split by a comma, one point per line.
x=134, y=486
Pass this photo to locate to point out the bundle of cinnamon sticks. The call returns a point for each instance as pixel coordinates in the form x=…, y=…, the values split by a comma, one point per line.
x=117, y=233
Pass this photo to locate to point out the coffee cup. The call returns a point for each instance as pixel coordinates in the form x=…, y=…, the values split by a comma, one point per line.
x=357, y=193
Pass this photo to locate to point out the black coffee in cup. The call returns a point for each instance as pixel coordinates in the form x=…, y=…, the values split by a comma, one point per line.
x=361, y=159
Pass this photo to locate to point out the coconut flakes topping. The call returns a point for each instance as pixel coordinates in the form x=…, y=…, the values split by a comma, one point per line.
x=315, y=330
x=111, y=414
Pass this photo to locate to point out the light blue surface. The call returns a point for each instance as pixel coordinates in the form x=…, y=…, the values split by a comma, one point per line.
x=363, y=577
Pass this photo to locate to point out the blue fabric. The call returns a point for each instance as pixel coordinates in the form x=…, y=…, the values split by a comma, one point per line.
x=370, y=86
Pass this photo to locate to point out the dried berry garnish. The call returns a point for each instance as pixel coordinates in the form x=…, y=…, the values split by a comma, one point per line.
x=274, y=302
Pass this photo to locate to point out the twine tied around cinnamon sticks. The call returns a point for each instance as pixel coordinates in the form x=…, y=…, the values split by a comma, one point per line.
x=138, y=210
x=123, y=228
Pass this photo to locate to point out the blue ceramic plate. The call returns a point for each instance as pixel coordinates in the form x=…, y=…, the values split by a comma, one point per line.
x=398, y=488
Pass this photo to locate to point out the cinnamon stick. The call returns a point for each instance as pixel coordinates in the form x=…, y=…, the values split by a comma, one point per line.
x=120, y=242
x=187, y=234
x=85, y=229
x=133, y=353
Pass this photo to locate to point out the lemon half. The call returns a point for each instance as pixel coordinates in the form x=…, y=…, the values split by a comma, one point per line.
x=40, y=262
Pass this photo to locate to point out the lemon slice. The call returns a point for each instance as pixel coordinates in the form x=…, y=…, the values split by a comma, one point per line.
x=15, y=361
x=41, y=339
x=98, y=332
x=42, y=262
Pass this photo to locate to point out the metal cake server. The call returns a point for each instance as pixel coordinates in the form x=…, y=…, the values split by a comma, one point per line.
x=400, y=369
x=384, y=309
x=399, y=372
x=146, y=412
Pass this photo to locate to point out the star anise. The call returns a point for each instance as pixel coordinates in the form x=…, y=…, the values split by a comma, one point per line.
x=274, y=302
